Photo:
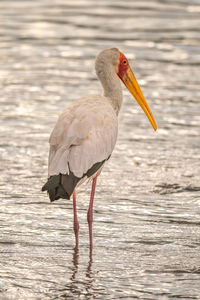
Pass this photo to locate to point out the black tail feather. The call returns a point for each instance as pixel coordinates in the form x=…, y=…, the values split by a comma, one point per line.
x=60, y=186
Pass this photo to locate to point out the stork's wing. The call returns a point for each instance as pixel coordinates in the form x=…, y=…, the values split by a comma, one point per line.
x=84, y=135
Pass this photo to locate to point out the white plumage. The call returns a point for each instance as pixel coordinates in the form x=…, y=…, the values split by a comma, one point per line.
x=84, y=134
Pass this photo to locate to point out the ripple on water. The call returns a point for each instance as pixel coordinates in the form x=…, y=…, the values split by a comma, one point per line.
x=146, y=220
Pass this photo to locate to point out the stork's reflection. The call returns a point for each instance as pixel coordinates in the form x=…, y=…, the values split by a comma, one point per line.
x=75, y=260
x=77, y=287
x=75, y=263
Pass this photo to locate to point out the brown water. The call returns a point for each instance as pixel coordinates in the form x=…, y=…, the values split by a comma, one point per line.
x=147, y=205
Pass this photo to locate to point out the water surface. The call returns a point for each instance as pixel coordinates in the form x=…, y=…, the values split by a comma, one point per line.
x=147, y=205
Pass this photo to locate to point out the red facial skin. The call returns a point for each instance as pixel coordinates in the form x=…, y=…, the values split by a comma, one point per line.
x=123, y=66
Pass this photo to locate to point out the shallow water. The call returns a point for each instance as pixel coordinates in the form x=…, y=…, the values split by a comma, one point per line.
x=147, y=204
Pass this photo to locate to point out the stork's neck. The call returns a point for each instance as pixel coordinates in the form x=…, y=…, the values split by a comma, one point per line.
x=112, y=86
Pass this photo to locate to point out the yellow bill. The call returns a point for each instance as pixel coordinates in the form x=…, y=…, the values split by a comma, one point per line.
x=132, y=85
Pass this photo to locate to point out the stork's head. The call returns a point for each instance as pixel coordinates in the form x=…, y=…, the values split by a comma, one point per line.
x=119, y=62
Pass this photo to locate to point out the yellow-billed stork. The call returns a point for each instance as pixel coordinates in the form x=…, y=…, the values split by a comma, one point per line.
x=85, y=134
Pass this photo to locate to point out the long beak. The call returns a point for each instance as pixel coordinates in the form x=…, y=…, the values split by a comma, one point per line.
x=132, y=85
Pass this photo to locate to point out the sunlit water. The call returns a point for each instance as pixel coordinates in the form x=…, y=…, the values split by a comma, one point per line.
x=147, y=204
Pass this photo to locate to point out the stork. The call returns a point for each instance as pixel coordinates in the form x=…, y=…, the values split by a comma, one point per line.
x=85, y=134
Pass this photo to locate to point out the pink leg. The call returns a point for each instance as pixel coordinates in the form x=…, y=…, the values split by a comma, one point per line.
x=90, y=210
x=76, y=224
